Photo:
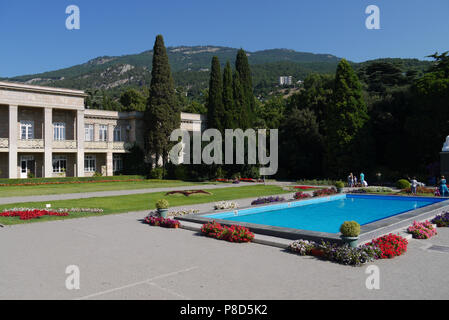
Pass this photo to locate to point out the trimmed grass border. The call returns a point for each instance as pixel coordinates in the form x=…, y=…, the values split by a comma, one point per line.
x=140, y=202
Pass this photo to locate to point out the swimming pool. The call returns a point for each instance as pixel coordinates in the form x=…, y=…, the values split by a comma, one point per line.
x=328, y=213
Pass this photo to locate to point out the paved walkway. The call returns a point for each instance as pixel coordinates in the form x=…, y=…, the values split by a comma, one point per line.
x=70, y=196
x=121, y=258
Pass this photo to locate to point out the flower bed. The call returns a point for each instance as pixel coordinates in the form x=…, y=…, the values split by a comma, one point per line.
x=339, y=254
x=61, y=210
x=301, y=195
x=267, y=200
x=237, y=234
x=441, y=220
x=188, y=193
x=161, y=222
x=224, y=205
x=183, y=212
x=32, y=214
x=422, y=190
x=422, y=230
x=324, y=192
x=68, y=180
x=390, y=246
x=304, y=187
x=385, y=247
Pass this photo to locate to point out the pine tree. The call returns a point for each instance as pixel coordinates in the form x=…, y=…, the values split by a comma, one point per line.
x=162, y=114
x=345, y=122
x=242, y=66
x=215, y=109
x=230, y=118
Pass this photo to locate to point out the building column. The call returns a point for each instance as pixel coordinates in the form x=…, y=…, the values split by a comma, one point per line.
x=48, y=142
x=13, y=136
x=80, y=143
x=109, y=164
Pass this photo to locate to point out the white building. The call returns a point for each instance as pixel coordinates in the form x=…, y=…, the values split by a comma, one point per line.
x=47, y=132
x=286, y=80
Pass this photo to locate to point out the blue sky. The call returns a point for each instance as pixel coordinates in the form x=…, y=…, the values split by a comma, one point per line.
x=34, y=37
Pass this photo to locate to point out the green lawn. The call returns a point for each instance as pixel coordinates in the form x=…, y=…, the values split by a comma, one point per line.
x=18, y=191
x=139, y=202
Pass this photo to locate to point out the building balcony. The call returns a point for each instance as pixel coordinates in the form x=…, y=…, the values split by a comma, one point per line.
x=30, y=144
x=4, y=143
x=95, y=145
x=65, y=144
x=121, y=145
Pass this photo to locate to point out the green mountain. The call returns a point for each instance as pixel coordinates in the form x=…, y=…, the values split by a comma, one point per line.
x=190, y=66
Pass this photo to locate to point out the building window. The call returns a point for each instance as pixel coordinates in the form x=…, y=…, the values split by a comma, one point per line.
x=59, y=164
x=26, y=130
x=89, y=163
x=103, y=132
x=118, y=133
x=89, y=132
x=58, y=131
x=117, y=163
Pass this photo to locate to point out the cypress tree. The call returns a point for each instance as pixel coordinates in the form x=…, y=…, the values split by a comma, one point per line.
x=346, y=118
x=162, y=114
x=242, y=66
x=215, y=109
x=228, y=99
x=240, y=112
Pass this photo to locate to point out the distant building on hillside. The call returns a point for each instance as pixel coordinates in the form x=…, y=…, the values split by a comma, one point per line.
x=285, y=80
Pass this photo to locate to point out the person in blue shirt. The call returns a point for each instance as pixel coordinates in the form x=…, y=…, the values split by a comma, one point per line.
x=362, y=178
x=444, y=191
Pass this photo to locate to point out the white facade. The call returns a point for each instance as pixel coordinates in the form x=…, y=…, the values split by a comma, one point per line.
x=286, y=80
x=47, y=132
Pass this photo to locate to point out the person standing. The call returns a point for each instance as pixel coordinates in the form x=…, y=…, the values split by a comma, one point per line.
x=414, y=185
x=362, y=179
x=351, y=180
x=444, y=191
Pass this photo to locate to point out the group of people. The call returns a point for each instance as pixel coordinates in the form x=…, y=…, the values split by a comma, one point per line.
x=353, y=183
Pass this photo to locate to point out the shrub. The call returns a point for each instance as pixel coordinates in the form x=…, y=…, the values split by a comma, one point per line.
x=180, y=173
x=301, y=195
x=350, y=229
x=317, y=182
x=390, y=246
x=403, y=184
x=441, y=220
x=302, y=247
x=339, y=185
x=97, y=174
x=157, y=173
x=422, y=230
x=162, y=204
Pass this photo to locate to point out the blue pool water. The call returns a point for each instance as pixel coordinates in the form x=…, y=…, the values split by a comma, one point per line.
x=327, y=214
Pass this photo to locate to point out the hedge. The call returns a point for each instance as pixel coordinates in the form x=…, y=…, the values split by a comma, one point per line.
x=68, y=180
